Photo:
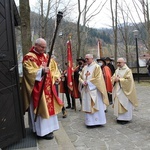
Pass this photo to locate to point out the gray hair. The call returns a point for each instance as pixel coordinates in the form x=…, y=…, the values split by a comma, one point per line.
x=122, y=59
x=39, y=41
x=89, y=55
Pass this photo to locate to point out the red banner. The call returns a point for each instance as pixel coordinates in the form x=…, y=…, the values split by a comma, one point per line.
x=70, y=66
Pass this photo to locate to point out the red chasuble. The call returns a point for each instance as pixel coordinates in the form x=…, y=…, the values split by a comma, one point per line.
x=49, y=90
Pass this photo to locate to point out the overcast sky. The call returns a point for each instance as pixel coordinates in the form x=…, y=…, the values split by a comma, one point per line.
x=103, y=19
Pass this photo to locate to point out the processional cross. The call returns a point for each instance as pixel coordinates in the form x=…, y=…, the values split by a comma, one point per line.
x=87, y=74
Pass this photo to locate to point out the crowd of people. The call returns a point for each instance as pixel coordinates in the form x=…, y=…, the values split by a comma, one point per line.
x=96, y=83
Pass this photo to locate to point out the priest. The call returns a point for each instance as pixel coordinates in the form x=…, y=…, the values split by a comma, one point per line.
x=93, y=93
x=124, y=93
x=34, y=68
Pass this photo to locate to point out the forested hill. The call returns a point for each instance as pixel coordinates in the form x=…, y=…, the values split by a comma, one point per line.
x=104, y=34
x=90, y=36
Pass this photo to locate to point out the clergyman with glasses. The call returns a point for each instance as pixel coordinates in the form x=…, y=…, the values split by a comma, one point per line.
x=34, y=68
x=124, y=93
x=93, y=93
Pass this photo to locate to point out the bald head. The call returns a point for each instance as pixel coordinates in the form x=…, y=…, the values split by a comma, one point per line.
x=40, y=45
x=89, y=58
x=121, y=59
x=89, y=55
x=121, y=62
x=40, y=40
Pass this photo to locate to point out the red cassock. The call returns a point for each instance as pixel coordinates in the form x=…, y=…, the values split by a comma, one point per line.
x=62, y=87
x=107, y=77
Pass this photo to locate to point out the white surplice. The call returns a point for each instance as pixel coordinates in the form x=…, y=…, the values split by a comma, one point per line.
x=42, y=126
x=90, y=93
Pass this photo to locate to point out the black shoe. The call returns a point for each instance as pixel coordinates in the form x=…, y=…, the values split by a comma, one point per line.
x=122, y=122
x=68, y=107
x=94, y=126
x=49, y=136
x=110, y=103
x=106, y=111
x=64, y=114
x=72, y=107
x=90, y=127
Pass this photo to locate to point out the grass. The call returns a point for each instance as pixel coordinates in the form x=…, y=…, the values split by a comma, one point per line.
x=143, y=83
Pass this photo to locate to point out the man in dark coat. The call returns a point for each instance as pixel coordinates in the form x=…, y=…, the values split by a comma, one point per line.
x=110, y=65
x=81, y=62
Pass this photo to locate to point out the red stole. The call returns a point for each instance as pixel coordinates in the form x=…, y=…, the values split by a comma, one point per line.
x=49, y=89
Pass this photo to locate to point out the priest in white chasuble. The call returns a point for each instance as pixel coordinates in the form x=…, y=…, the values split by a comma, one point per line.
x=93, y=93
x=124, y=93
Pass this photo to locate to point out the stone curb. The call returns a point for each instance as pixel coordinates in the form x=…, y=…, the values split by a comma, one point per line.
x=64, y=143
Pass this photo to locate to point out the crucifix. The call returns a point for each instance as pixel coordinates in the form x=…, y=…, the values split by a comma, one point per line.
x=87, y=74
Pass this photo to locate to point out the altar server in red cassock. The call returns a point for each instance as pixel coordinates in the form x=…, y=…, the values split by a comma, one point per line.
x=107, y=77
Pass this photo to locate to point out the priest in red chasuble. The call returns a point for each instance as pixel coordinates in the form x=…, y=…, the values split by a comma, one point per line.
x=34, y=67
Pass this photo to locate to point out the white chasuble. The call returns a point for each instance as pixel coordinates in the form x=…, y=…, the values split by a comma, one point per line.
x=92, y=103
x=121, y=99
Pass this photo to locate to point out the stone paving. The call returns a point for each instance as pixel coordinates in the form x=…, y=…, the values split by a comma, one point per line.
x=112, y=136
x=74, y=135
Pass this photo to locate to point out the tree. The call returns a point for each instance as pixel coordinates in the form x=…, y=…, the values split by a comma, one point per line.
x=114, y=26
x=145, y=6
x=123, y=28
x=141, y=7
x=78, y=29
x=88, y=14
x=25, y=26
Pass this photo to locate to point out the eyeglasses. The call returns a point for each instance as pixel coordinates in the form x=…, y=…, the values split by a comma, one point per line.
x=41, y=46
x=119, y=62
